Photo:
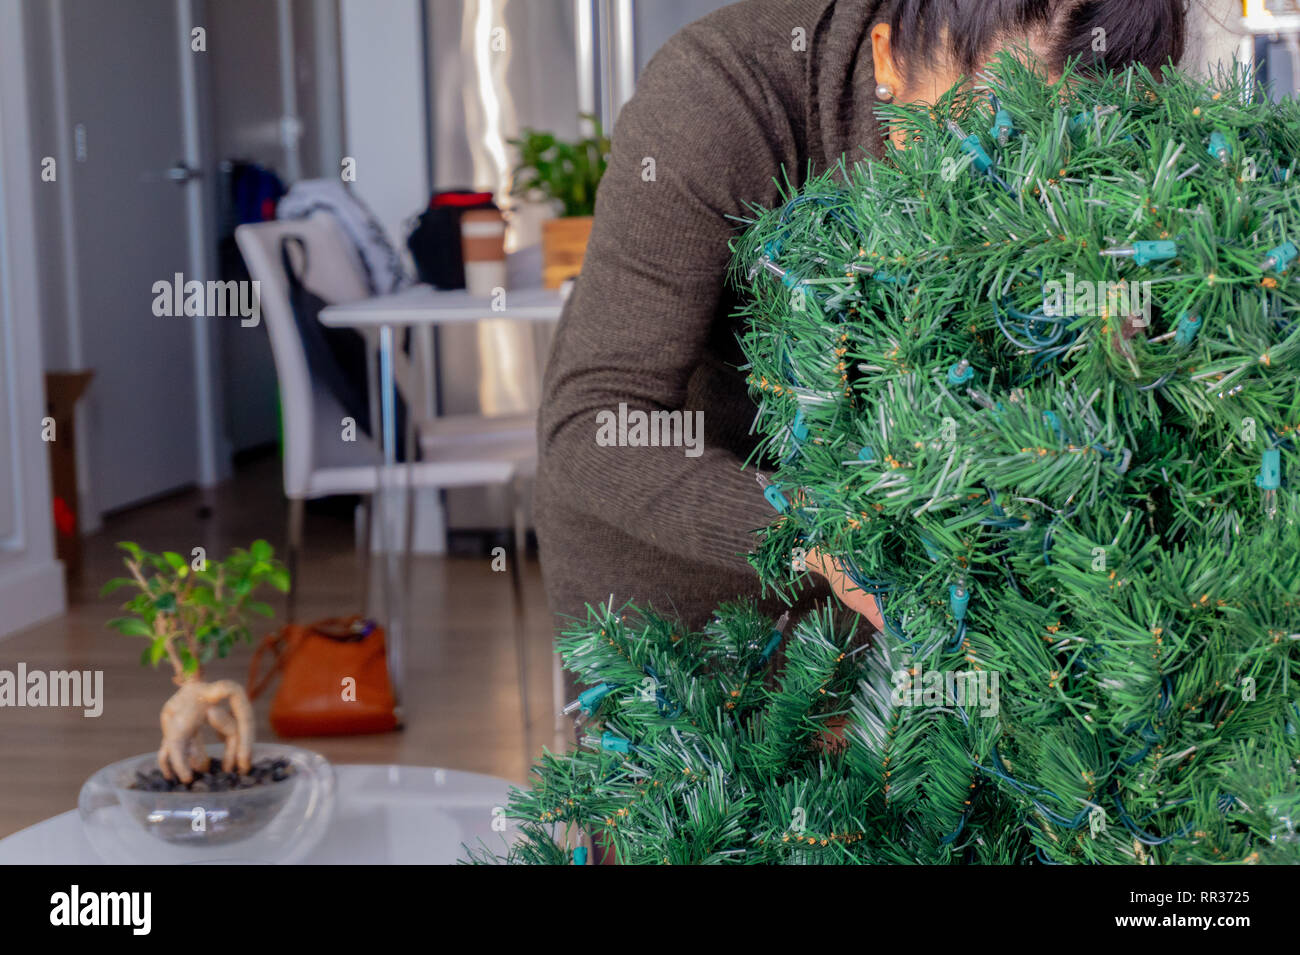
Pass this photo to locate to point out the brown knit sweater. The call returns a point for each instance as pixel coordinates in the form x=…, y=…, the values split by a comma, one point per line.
x=729, y=107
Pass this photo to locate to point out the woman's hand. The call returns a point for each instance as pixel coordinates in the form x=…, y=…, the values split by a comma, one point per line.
x=849, y=593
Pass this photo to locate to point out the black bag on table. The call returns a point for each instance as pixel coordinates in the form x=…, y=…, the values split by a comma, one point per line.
x=435, y=240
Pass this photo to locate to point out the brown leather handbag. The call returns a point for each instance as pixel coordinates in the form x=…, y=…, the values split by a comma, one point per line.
x=333, y=679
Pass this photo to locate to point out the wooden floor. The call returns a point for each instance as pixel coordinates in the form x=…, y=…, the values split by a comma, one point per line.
x=463, y=706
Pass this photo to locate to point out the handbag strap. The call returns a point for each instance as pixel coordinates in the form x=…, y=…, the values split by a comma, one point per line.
x=282, y=643
x=294, y=278
x=287, y=639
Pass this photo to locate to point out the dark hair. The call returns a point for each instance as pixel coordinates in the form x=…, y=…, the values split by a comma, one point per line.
x=1150, y=32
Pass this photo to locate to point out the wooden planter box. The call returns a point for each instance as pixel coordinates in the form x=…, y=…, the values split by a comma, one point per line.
x=564, y=243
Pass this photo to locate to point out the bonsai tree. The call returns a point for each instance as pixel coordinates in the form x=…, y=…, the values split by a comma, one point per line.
x=191, y=614
x=566, y=173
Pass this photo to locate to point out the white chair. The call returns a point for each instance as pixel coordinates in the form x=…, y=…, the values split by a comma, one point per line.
x=458, y=451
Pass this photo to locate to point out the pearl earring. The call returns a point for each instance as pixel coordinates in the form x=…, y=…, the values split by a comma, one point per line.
x=884, y=93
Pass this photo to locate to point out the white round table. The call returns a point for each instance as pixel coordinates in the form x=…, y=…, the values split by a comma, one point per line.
x=383, y=815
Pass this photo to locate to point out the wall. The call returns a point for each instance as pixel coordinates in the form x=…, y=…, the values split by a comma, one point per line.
x=31, y=580
x=1213, y=34
x=384, y=112
x=657, y=20
x=60, y=340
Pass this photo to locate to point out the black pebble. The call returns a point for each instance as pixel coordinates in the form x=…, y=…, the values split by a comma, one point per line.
x=215, y=779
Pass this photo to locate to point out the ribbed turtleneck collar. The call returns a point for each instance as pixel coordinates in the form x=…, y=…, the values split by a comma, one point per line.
x=841, y=81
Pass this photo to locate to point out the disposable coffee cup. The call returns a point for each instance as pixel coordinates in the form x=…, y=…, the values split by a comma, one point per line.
x=483, y=247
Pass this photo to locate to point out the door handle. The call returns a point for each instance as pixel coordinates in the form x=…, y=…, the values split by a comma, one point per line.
x=182, y=173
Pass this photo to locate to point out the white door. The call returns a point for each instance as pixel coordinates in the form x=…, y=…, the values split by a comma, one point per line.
x=130, y=227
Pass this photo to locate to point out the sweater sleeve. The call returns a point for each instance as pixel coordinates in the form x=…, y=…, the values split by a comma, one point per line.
x=701, y=139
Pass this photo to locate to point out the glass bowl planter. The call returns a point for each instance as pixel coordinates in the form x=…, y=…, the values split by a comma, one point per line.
x=276, y=822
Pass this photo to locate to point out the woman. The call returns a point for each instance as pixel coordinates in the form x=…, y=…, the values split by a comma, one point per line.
x=753, y=95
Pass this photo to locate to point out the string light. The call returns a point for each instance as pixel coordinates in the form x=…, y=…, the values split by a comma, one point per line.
x=1063, y=487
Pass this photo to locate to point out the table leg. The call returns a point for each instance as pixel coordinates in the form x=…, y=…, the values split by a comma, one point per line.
x=515, y=505
x=395, y=561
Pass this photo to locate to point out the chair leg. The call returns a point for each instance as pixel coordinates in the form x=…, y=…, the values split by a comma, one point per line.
x=364, y=534
x=514, y=504
x=402, y=637
x=297, y=505
x=520, y=532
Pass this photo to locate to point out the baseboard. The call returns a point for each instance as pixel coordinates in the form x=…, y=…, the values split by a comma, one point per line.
x=30, y=595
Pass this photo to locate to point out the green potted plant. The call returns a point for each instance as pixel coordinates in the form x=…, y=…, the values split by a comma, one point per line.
x=191, y=614
x=233, y=801
x=564, y=174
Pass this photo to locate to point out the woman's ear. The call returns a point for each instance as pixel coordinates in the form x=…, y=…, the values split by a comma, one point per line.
x=882, y=59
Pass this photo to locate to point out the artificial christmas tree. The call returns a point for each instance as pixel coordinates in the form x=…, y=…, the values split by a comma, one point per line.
x=1032, y=382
